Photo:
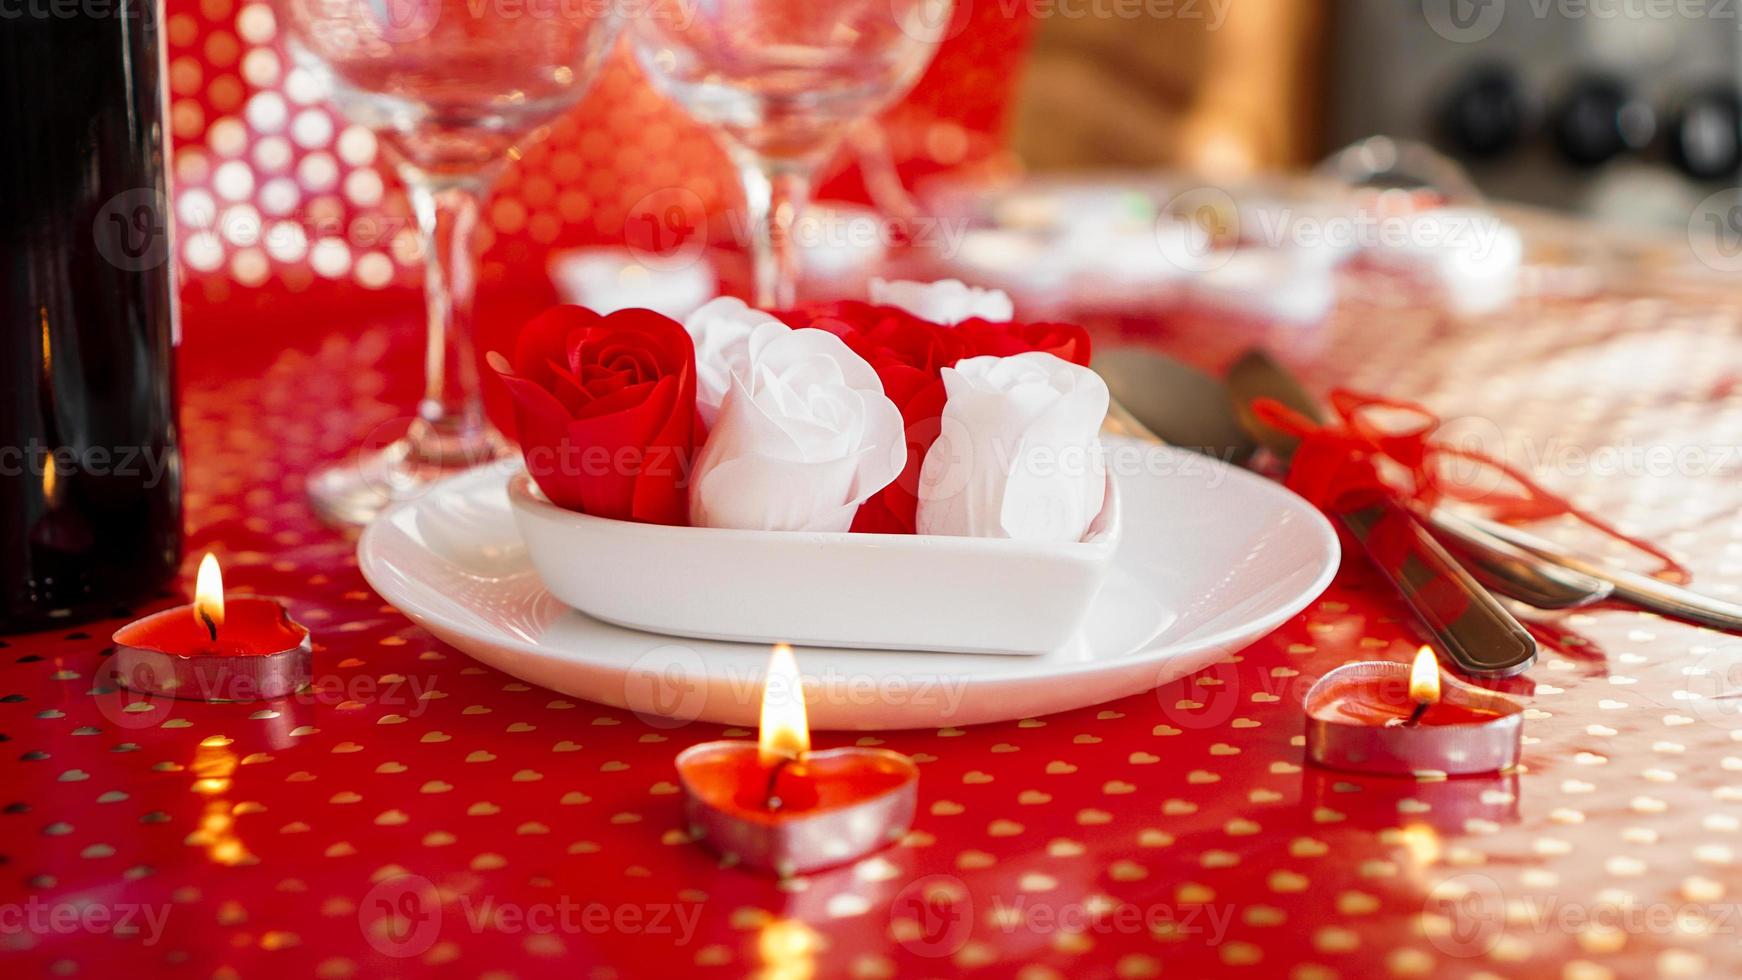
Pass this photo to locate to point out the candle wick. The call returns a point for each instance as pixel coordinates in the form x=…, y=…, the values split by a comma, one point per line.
x=1415, y=716
x=771, y=800
x=211, y=627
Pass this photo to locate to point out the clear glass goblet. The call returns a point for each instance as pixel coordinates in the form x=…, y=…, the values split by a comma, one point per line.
x=451, y=88
x=781, y=81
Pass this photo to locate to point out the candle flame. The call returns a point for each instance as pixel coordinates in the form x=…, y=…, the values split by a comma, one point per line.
x=786, y=730
x=209, y=593
x=1424, y=677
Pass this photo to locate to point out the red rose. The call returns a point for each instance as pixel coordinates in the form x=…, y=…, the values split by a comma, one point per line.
x=902, y=348
x=1066, y=341
x=606, y=411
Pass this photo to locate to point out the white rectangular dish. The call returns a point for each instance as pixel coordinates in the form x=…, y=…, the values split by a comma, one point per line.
x=876, y=591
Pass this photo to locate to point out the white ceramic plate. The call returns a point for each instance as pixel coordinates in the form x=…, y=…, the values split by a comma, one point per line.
x=1211, y=559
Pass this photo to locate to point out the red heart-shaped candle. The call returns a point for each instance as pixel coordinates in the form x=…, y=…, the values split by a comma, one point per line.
x=245, y=648
x=774, y=805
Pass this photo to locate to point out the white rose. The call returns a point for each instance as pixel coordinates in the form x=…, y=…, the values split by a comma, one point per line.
x=947, y=301
x=1020, y=451
x=721, y=329
x=806, y=434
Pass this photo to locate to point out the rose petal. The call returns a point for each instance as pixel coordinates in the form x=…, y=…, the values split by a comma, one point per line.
x=543, y=342
x=885, y=447
x=891, y=510
x=542, y=422
x=776, y=495
x=662, y=494
x=612, y=444
x=743, y=427
x=612, y=402
x=721, y=331
x=1019, y=453
x=805, y=435
x=819, y=351
x=1058, y=500
x=1064, y=340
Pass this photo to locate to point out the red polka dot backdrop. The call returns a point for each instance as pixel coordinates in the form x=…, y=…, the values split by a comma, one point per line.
x=367, y=827
x=273, y=185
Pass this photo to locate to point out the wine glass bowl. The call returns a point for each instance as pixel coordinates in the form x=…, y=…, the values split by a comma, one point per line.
x=450, y=84
x=451, y=88
x=785, y=78
x=781, y=81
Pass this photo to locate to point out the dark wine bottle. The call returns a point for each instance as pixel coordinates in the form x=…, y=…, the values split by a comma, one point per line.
x=90, y=465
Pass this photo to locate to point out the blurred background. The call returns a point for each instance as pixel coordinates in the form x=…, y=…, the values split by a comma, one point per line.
x=1045, y=134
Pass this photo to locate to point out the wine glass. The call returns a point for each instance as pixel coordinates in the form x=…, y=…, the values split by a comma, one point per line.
x=451, y=89
x=781, y=81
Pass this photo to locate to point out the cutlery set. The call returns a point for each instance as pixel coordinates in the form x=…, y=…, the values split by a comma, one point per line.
x=1447, y=566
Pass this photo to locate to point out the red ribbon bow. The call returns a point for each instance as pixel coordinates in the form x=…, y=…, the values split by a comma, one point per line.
x=1354, y=462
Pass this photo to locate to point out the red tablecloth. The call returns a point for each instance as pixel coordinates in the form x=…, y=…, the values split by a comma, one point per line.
x=418, y=812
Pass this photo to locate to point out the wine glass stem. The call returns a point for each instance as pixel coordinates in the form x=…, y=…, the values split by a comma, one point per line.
x=450, y=429
x=776, y=192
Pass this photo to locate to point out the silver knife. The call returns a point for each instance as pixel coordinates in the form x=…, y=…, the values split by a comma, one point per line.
x=1467, y=623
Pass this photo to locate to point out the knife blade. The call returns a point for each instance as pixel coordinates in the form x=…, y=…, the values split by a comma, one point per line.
x=1464, y=619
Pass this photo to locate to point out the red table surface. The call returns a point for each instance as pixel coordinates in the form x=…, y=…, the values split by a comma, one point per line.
x=420, y=813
